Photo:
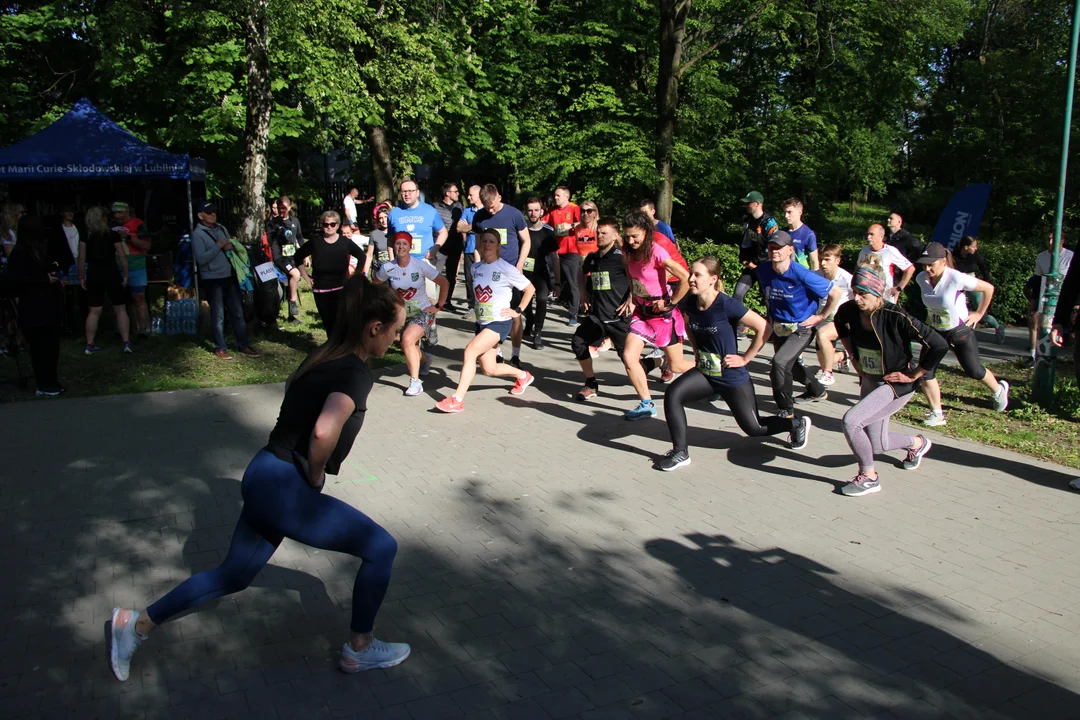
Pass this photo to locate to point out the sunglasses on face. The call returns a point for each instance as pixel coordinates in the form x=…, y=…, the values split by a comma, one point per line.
x=330, y=224
x=589, y=210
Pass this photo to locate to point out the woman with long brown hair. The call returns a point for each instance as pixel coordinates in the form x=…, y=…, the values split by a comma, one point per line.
x=323, y=410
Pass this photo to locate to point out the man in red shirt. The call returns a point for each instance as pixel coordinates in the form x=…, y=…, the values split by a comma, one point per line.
x=564, y=216
x=136, y=245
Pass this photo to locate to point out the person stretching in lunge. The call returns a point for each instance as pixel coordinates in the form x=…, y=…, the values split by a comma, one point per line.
x=323, y=410
x=712, y=318
x=495, y=279
x=408, y=276
x=651, y=305
x=878, y=336
x=944, y=295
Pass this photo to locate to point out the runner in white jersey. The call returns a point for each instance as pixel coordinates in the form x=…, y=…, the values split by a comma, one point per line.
x=828, y=358
x=408, y=276
x=494, y=282
x=890, y=259
x=944, y=293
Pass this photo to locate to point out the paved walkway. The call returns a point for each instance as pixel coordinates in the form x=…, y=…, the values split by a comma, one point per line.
x=545, y=570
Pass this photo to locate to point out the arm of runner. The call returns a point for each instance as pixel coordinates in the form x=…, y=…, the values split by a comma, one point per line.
x=526, y=297
x=369, y=254
x=976, y=315
x=683, y=276
x=756, y=323
x=849, y=351
x=524, y=245
x=815, y=261
x=444, y=288
x=832, y=300
x=324, y=436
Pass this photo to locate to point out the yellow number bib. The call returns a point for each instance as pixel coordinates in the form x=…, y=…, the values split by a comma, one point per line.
x=940, y=319
x=785, y=329
x=870, y=362
x=710, y=364
x=485, y=312
x=502, y=235
x=601, y=280
x=417, y=244
x=288, y=250
x=530, y=264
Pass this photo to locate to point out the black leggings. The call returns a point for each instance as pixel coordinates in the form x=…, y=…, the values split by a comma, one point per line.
x=745, y=282
x=44, y=355
x=966, y=349
x=453, y=259
x=693, y=386
x=328, y=304
x=534, y=319
x=571, y=266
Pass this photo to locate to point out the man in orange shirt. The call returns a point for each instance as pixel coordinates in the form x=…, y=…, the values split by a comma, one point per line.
x=564, y=216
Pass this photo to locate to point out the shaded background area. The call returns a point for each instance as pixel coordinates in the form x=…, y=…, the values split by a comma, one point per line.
x=539, y=576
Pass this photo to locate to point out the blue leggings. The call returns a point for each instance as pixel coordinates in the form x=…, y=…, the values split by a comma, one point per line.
x=279, y=503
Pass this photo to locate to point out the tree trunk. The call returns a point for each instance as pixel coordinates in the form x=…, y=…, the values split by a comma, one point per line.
x=381, y=166
x=260, y=101
x=672, y=34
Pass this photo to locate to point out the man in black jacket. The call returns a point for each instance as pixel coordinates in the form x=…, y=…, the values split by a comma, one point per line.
x=911, y=246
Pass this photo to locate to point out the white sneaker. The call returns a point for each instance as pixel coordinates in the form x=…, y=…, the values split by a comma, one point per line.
x=415, y=388
x=1001, y=399
x=123, y=641
x=378, y=654
x=935, y=420
x=825, y=377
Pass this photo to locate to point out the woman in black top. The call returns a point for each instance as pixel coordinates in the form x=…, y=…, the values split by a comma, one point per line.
x=323, y=410
x=970, y=261
x=329, y=267
x=99, y=251
x=32, y=278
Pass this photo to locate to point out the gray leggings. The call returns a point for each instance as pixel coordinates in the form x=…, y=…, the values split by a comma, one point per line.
x=866, y=426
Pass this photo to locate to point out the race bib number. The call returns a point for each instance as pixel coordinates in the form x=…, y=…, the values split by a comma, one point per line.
x=417, y=244
x=870, y=362
x=485, y=312
x=785, y=329
x=710, y=364
x=266, y=272
x=601, y=280
x=530, y=264
x=639, y=288
x=502, y=235
x=940, y=319
x=288, y=250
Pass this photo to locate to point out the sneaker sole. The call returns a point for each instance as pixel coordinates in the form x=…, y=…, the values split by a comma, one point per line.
x=928, y=423
x=375, y=666
x=676, y=466
x=632, y=418
x=870, y=491
x=584, y=398
x=806, y=435
x=114, y=658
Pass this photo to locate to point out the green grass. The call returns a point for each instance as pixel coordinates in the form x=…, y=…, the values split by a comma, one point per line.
x=179, y=362
x=1048, y=434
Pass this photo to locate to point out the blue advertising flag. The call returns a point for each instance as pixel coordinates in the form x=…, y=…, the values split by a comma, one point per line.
x=962, y=215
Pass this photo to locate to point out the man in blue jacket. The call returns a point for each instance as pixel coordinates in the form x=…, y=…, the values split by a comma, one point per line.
x=210, y=242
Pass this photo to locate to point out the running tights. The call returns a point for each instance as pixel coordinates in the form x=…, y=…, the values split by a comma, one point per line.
x=328, y=304
x=279, y=503
x=866, y=425
x=693, y=386
x=534, y=319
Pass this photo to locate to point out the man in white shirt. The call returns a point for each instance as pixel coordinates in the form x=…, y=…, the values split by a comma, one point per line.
x=350, y=206
x=1036, y=285
x=890, y=258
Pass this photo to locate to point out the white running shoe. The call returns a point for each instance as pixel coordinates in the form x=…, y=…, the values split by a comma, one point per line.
x=935, y=420
x=123, y=641
x=378, y=654
x=825, y=377
x=415, y=388
x=1001, y=399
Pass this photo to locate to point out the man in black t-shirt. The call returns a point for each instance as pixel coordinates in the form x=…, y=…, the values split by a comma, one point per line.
x=450, y=209
x=909, y=245
x=541, y=268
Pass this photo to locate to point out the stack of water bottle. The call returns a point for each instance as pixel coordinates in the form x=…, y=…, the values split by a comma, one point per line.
x=181, y=316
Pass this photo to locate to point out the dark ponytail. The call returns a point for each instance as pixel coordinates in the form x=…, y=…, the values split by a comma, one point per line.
x=362, y=303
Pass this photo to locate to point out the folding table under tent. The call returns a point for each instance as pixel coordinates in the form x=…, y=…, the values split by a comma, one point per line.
x=86, y=144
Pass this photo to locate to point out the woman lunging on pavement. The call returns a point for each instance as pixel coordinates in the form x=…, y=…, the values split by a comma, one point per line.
x=712, y=319
x=944, y=295
x=877, y=337
x=408, y=276
x=323, y=410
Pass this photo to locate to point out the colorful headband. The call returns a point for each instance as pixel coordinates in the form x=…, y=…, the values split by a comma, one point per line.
x=867, y=280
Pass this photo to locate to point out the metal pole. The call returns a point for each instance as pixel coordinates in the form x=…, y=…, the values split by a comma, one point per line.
x=1045, y=351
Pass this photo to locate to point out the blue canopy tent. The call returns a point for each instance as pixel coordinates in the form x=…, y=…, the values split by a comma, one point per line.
x=86, y=144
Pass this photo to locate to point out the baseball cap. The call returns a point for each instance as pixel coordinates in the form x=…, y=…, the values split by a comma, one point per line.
x=753, y=196
x=780, y=238
x=933, y=252
x=121, y=207
x=206, y=207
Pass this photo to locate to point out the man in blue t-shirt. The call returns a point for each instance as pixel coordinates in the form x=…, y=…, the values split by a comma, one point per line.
x=792, y=294
x=803, y=238
x=513, y=230
x=420, y=220
x=465, y=226
x=661, y=227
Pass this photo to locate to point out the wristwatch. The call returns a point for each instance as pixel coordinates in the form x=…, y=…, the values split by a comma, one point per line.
x=520, y=311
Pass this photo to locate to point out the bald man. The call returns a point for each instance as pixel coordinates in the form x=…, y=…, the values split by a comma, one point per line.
x=890, y=258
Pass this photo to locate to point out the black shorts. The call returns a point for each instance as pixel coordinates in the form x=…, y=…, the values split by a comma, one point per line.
x=104, y=281
x=592, y=331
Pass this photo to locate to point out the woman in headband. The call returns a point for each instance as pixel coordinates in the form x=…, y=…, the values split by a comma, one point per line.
x=877, y=337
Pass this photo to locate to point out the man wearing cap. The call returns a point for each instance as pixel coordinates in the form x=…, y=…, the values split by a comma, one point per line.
x=136, y=244
x=425, y=225
x=892, y=260
x=792, y=295
x=210, y=243
x=758, y=227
